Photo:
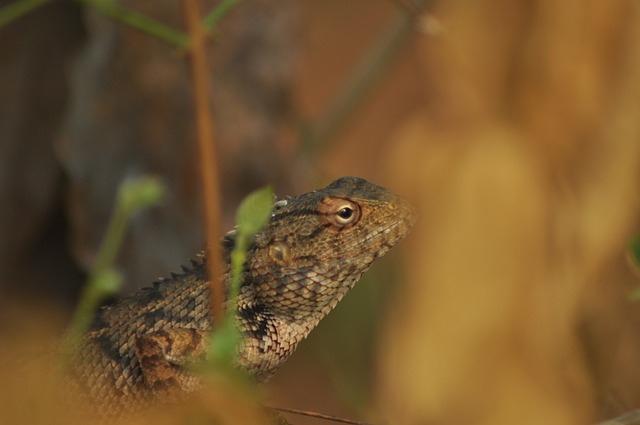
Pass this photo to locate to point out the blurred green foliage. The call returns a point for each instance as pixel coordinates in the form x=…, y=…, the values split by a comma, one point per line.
x=113, y=10
x=634, y=255
x=134, y=195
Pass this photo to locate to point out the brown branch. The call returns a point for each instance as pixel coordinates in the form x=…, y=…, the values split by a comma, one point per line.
x=318, y=415
x=206, y=148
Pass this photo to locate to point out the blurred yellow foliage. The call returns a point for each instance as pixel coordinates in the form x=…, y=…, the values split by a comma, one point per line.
x=525, y=166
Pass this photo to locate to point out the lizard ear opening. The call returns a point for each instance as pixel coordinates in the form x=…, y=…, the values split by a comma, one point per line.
x=279, y=252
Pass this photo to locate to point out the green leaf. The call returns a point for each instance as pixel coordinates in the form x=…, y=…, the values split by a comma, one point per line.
x=107, y=282
x=139, y=193
x=254, y=211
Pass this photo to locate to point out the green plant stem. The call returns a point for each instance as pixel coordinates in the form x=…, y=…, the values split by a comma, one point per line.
x=104, y=280
x=252, y=214
x=634, y=250
x=238, y=257
x=218, y=13
x=17, y=9
x=140, y=22
x=93, y=293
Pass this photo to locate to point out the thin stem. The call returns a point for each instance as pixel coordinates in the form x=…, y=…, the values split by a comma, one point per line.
x=318, y=415
x=409, y=6
x=218, y=13
x=17, y=9
x=207, y=153
x=140, y=22
x=93, y=292
x=373, y=63
x=370, y=67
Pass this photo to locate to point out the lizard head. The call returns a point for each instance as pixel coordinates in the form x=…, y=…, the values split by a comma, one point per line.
x=316, y=246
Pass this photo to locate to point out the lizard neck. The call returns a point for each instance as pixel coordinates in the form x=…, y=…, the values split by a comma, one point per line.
x=276, y=327
x=299, y=296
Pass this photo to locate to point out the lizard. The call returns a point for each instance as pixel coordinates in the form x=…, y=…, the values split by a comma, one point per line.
x=310, y=253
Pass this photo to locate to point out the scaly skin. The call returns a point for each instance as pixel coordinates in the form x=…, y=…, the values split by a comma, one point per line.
x=311, y=252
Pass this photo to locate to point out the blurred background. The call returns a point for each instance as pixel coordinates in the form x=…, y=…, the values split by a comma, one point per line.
x=513, y=127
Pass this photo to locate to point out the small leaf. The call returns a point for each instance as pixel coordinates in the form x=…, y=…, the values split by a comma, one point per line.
x=139, y=193
x=107, y=282
x=254, y=211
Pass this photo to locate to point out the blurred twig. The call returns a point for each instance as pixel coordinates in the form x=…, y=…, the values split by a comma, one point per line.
x=634, y=250
x=218, y=13
x=139, y=22
x=633, y=257
x=319, y=415
x=17, y=9
x=629, y=418
x=207, y=151
x=410, y=6
x=373, y=63
x=133, y=196
x=109, y=8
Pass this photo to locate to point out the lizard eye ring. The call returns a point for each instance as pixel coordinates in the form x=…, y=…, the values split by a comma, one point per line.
x=340, y=212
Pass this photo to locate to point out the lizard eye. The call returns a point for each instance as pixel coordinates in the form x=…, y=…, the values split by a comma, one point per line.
x=345, y=214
